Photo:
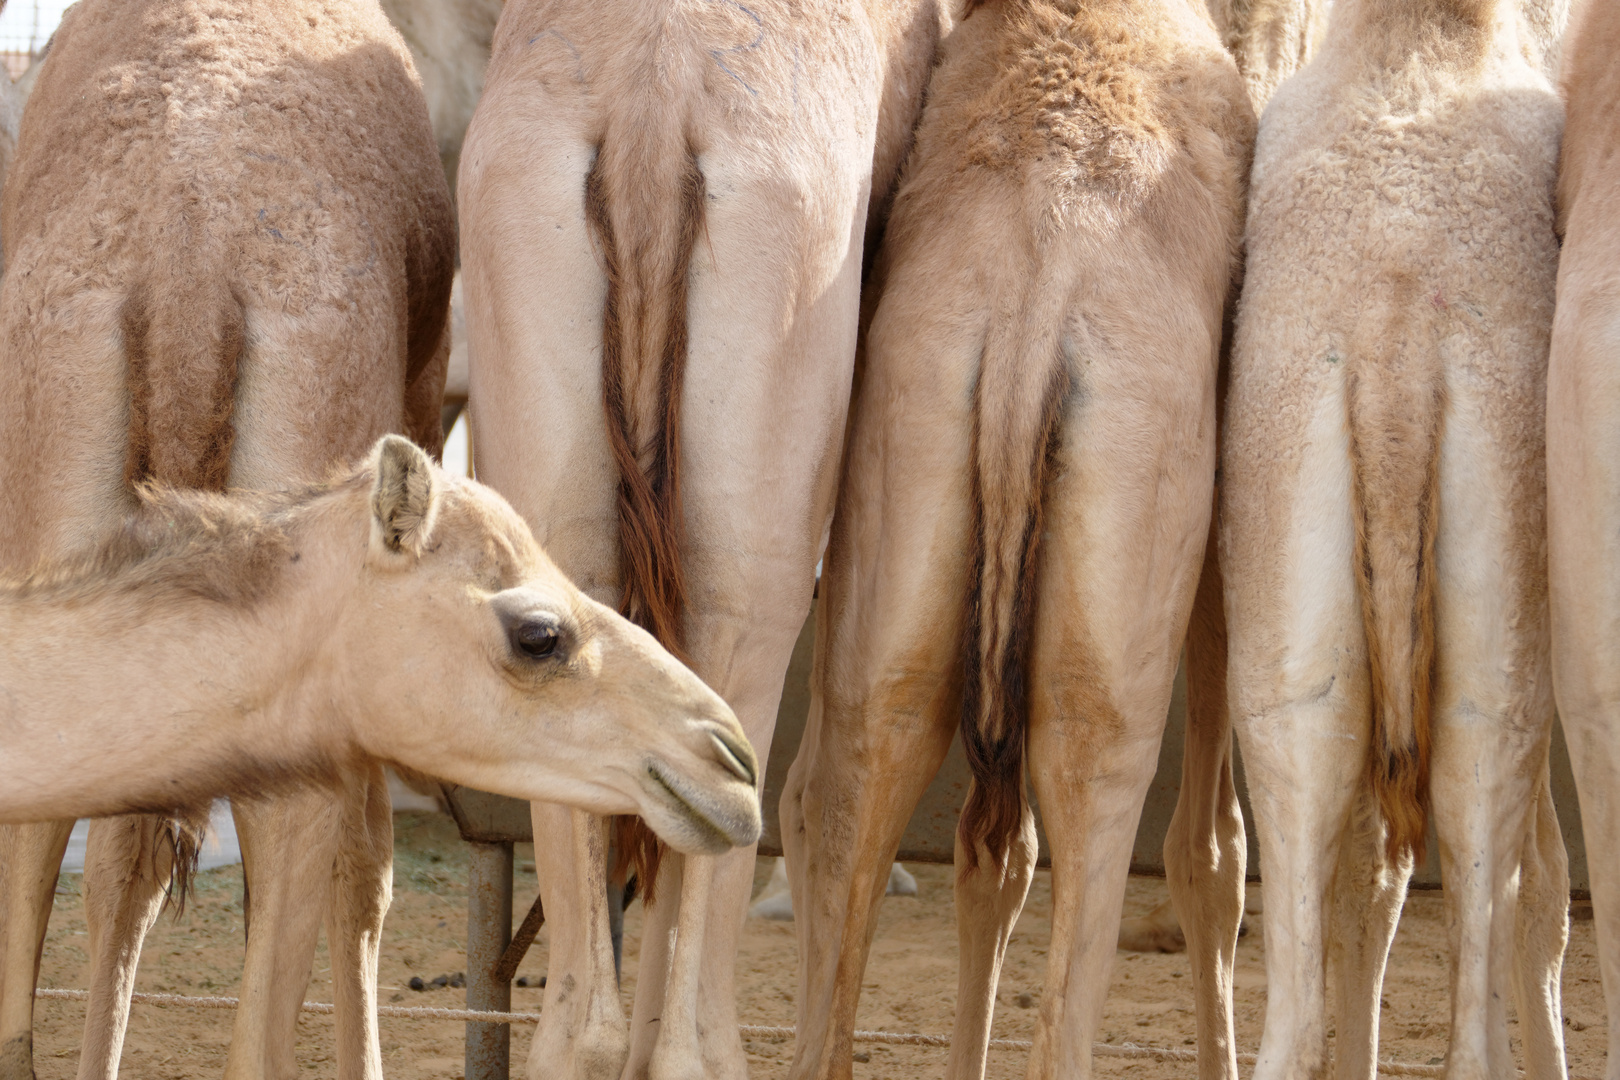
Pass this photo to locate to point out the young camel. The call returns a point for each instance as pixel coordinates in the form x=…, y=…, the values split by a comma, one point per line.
x=229, y=248
x=1382, y=530
x=1026, y=499
x=1583, y=464
x=663, y=212
x=415, y=607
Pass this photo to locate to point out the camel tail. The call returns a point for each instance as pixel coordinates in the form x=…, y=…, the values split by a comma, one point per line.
x=644, y=203
x=183, y=335
x=1023, y=380
x=1395, y=399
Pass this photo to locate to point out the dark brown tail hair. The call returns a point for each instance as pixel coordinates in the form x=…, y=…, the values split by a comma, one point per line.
x=646, y=238
x=1016, y=418
x=1395, y=399
x=183, y=331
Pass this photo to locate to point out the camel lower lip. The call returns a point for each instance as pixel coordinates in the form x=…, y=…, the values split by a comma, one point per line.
x=697, y=817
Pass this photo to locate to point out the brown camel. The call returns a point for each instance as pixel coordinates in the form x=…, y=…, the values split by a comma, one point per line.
x=663, y=210
x=1382, y=531
x=228, y=252
x=1026, y=498
x=416, y=607
x=1583, y=464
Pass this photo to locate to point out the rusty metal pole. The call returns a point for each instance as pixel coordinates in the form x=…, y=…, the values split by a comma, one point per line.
x=489, y=930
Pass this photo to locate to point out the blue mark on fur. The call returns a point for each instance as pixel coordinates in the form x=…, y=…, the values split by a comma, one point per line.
x=275, y=232
x=720, y=54
x=579, y=74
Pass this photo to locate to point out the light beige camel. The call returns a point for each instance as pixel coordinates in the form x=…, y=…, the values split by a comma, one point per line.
x=1026, y=499
x=1583, y=465
x=229, y=248
x=1382, y=533
x=415, y=607
x=663, y=211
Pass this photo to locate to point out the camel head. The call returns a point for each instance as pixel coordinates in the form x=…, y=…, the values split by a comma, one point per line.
x=476, y=660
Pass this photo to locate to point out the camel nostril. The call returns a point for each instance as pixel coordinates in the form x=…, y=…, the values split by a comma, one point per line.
x=738, y=761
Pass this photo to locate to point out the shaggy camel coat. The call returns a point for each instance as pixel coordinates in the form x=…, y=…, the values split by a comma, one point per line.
x=417, y=605
x=228, y=254
x=1382, y=525
x=1026, y=499
x=663, y=211
x=1583, y=465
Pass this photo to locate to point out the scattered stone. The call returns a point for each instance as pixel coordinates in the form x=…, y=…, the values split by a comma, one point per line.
x=1574, y=1024
x=1025, y=999
x=531, y=980
x=440, y=982
x=863, y=1057
x=416, y=983
x=458, y=980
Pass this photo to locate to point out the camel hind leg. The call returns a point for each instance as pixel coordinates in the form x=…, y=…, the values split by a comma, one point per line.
x=288, y=851
x=362, y=886
x=1541, y=933
x=989, y=900
x=1493, y=709
x=1368, y=894
x=885, y=690
x=128, y=867
x=30, y=859
x=1206, y=849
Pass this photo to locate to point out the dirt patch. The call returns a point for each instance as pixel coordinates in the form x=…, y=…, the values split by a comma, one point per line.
x=910, y=984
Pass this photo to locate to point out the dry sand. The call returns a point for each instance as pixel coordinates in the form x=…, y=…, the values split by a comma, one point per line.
x=910, y=984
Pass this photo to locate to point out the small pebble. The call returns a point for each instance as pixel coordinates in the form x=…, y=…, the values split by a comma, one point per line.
x=458, y=980
x=416, y=983
x=1025, y=999
x=863, y=1057
x=440, y=982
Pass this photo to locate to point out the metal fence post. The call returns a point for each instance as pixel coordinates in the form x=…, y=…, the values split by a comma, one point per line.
x=489, y=930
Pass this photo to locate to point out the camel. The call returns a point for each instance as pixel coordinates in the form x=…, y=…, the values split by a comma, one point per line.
x=449, y=42
x=1382, y=533
x=1026, y=498
x=229, y=249
x=663, y=210
x=1583, y=499
x=417, y=608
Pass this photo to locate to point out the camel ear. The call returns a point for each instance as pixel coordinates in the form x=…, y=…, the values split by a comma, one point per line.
x=405, y=498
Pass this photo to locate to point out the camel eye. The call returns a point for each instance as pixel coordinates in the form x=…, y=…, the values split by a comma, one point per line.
x=535, y=639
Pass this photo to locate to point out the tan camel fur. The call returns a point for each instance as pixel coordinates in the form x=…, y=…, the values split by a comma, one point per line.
x=1026, y=499
x=419, y=612
x=1583, y=465
x=229, y=247
x=663, y=210
x=1382, y=533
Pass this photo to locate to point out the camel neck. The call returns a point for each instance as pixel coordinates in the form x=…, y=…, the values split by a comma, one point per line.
x=107, y=708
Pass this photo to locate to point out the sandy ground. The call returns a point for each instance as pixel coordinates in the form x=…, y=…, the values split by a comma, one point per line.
x=910, y=984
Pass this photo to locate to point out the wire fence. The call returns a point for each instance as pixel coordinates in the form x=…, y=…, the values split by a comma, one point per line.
x=750, y=1031
x=25, y=27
